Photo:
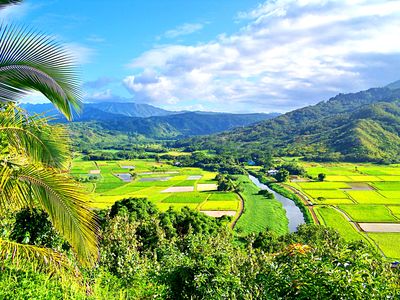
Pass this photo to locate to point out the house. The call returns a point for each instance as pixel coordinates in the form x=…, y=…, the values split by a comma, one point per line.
x=272, y=172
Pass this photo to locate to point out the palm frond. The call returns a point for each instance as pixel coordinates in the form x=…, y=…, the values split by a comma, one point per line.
x=4, y=3
x=44, y=258
x=36, y=62
x=34, y=138
x=62, y=198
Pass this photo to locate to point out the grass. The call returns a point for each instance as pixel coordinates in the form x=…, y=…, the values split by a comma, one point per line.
x=371, y=197
x=390, y=194
x=259, y=212
x=388, y=242
x=323, y=185
x=220, y=205
x=327, y=194
x=333, y=201
x=395, y=210
x=332, y=218
x=108, y=188
x=222, y=196
x=369, y=213
x=387, y=186
x=337, y=178
x=186, y=198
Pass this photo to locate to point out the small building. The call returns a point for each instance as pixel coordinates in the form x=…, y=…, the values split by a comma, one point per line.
x=251, y=163
x=272, y=172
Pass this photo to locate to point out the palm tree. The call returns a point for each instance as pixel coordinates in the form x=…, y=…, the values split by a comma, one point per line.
x=35, y=155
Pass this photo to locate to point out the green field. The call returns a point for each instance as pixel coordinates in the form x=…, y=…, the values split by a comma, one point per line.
x=387, y=242
x=369, y=213
x=108, y=188
x=330, y=217
x=366, y=193
x=260, y=213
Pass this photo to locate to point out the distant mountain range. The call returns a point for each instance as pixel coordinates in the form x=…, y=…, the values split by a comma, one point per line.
x=151, y=121
x=363, y=126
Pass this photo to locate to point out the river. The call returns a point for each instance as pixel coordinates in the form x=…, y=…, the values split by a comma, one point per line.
x=293, y=213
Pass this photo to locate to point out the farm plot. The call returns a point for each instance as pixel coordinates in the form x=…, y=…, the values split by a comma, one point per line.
x=220, y=205
x=327, y=194
x=186, y=198
x=368, y=213
x=219, y=213
x=364, y=178
x=388, y=243
x=223, y=196
x=395, y=210
x=323, y=185
x=330, y=217
x=387, y=186
x=178, y=189
x=391, y=194
x=333, y=201
x=207, y=187
x=371, y=197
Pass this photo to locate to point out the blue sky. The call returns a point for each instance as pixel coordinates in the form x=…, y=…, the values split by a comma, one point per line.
x=237, y=56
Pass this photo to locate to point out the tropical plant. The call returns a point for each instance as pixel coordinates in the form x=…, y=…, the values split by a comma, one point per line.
x=34, y=155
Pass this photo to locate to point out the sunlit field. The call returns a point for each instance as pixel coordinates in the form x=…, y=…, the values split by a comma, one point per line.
x=353, y=194
x=163, y=184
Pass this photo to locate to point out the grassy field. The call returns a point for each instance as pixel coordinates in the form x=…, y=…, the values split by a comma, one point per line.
x=260, y=213
x=333, y=218
x=365, y=193
x=152, y=180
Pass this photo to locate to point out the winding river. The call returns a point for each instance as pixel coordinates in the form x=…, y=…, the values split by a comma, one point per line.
x=293, y=213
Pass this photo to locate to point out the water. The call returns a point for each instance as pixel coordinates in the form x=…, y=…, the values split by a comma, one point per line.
x=293, y=213
x=126, y=177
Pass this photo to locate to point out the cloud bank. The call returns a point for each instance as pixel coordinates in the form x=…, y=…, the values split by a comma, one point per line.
x=286, y=55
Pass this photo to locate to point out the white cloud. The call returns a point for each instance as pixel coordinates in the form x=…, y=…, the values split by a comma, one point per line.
x=81, y=53
x=287, y=55
x=184, y=29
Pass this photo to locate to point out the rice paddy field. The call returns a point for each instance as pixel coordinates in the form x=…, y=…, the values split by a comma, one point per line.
x=353, y=195
x=163, y=184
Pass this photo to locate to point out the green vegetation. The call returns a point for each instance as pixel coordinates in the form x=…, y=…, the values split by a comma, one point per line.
x=34, y=153
x=259, y=213
x=355, y=127
x=365, y=197
x=386, y=242
x=332, y=218
x=369, y=213
x=146, y=254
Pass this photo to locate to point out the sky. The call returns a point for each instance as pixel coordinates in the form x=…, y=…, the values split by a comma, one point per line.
x=225, y=55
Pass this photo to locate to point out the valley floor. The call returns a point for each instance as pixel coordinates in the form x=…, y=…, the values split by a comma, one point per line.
x=361, y=201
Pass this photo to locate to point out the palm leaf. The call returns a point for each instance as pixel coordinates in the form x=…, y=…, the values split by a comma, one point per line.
x=20, y=254
x=34, y=138
x=36, y=62
x=4, y=3
x=62, y=198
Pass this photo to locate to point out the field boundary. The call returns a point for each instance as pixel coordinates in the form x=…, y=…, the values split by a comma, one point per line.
x=305, y=202
x=239, y=214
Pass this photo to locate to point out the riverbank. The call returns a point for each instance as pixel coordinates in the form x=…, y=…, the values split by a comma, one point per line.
x=259, y=213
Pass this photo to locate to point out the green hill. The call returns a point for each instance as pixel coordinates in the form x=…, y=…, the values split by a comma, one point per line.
x=361, y=126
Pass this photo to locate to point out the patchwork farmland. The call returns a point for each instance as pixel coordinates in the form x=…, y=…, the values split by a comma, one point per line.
x=362, y=202
x=163, y=184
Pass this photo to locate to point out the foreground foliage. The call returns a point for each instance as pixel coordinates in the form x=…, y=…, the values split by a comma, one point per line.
x=186, y=255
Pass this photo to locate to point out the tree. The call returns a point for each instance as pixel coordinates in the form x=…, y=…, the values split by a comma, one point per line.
x=321, y=176
x=34, y=154
x=282, y=175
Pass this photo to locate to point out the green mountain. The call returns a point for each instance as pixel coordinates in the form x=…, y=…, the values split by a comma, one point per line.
x=102, y=110
x=150, y=121
x=174, y=126
x=363, y=126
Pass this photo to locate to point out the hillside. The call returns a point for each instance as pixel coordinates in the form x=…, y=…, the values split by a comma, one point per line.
x=150, y=121
x=102, y=110
x=361, y=126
